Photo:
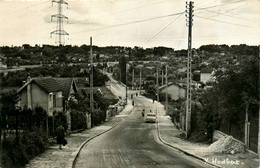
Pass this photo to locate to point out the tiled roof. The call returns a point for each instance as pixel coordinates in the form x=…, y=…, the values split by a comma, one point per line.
x=205, y=70
x=65, y=85
x=50, y=84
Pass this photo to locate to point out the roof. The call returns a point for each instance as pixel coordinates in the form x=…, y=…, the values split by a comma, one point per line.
x=184, y=80
x=205, y=70
x=50, y=84
x=66, y=84
x=169, y=84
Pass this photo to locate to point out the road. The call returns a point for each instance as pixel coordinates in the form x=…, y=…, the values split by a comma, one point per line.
x=133, y=143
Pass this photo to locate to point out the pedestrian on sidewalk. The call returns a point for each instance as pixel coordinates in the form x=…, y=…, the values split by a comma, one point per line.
x=143, y=112
x=60, y=133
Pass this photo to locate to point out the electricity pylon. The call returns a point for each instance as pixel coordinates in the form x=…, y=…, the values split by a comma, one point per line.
x=59, y=19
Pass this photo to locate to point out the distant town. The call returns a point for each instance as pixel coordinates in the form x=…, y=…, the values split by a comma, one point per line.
x=43, y=86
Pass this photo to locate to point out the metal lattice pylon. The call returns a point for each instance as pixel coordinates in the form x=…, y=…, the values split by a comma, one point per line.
x=59, y=32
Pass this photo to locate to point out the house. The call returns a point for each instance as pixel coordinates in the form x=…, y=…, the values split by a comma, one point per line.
x=194, y=85
x=175, y=91
x=206, y=75
x=52, y=94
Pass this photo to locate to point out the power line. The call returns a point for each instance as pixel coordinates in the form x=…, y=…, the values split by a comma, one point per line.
x=123, y=11
x=229, y=15
x=30, y=6
x=156, y=35
x=219, y=5
x=220, y=21
x=138, y=21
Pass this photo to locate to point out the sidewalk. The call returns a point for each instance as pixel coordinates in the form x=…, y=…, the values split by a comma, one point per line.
x=54, y=157
x=171, y=135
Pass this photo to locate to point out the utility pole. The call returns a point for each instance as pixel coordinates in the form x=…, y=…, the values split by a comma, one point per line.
x=166, y=82
x=157, y=84
x=189, y=9
x=259, y=113
x=126, y=84
x=162, y=76
x=133, y=78
x=59, y=19
x=91, y=79
x=140, y=81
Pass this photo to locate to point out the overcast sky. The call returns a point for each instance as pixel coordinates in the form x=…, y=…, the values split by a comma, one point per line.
x=131, y=22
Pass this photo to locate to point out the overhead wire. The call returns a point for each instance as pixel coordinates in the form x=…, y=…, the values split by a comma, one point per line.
x=133, y=22
x=231, y=16
x=198, y=9
x=127, y=10
x=163, y=29
x=31, y=6
x=123, y=11
x=220, y=21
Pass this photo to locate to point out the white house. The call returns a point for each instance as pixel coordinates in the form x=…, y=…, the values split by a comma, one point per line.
x=206, y=75
x=175, y=91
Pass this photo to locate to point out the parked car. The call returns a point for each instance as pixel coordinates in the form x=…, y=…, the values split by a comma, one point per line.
x=151, y=117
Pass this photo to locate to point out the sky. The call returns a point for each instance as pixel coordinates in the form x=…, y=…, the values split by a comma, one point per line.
x=143, y=23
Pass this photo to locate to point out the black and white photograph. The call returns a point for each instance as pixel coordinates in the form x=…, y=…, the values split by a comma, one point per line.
x=129, y=84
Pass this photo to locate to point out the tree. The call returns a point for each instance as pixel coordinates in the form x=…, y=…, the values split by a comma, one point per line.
x=160, y=51
x=230, y=102
x=122, y=68
x=8, y=107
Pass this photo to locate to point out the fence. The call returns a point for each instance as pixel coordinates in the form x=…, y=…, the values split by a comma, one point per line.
x=238, y=132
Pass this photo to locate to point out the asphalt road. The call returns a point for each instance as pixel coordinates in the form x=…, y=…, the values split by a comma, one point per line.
x=133, y=143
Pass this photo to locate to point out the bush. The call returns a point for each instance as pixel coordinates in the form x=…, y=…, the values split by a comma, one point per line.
x=18, y=151
x=35, y=141
x=14, y=153
x=78, y=120
x=98, y=117
x=59, y=119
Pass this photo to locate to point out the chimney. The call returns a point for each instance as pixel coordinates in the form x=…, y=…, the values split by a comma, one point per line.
x=29, y=95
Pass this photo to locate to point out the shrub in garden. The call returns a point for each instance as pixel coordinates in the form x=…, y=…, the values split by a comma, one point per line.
x=59, y=118
x=78, y=120
x=98, y=116
x=16, y=152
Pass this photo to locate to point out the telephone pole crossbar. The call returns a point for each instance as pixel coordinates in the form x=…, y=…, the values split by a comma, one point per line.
x=189, y=9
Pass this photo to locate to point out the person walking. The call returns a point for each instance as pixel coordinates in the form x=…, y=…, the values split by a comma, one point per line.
x=60, y=133
x=143, y=113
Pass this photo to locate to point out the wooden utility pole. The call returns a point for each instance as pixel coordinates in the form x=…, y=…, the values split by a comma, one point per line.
x=140, y=81
x=157, y=84
x=125, y=83
x=162, y=76
x=259, y=112
x=91, y=78
x=188, y=91
x=133, y=79
x=166, y=82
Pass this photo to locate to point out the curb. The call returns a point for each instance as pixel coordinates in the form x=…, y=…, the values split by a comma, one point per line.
x=181, y=150
x=76, y=154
